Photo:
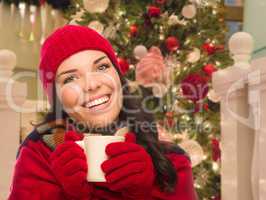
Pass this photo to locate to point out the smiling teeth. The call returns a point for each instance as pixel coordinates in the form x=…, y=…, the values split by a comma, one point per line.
x=97, y=101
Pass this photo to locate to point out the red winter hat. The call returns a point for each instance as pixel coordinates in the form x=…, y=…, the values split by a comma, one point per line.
x=65, y=42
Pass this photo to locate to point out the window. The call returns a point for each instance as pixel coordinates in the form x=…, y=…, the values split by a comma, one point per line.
x=234, y=16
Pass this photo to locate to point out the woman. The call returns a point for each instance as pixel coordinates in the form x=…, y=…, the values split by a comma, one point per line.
x=88, y=93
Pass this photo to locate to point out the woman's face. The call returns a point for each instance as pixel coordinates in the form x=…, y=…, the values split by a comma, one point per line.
x=89, y=88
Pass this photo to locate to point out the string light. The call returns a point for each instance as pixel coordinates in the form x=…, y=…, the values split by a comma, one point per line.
x=215, y=166
x=22, y=11
x=185, y=117
x=196, y=185
x=161, y=37
x=176, y=136
x=187, y=41
x=127, y=21
x=32, y=21
x=217, y=63
x=121, y=12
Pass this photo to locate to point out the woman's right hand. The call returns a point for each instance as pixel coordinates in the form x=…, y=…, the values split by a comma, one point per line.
x=69, y=164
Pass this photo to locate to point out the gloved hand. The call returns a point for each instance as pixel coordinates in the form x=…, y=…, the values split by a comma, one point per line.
x=69, y=164
x=151, y=69
x=129, y=169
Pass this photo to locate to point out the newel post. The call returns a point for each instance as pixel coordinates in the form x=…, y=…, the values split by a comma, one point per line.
x=237, y=134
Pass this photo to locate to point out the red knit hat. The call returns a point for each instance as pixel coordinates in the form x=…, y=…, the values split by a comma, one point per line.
x=63, y=43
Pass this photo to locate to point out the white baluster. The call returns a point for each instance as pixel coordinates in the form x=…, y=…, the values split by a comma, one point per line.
x=257, y=96
x=236, y=122
x=10, y=119
x=8, y=61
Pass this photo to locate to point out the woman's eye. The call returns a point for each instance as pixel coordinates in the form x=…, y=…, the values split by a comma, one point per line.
x=103, y=67
x=69, y=79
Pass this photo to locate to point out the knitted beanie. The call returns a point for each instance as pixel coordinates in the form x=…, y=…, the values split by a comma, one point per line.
x=65, y=42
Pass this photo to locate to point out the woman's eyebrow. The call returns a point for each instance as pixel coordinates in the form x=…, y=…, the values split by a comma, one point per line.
x=66, y=72
x=98, y=60
x=74, y=70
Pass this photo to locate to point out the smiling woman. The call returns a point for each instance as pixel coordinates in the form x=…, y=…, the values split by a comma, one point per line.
x=91, y=92
x=83, y=81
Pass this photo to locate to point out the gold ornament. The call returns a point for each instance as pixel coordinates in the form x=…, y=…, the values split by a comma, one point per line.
x=159, y=90
x=96, y=6
x=198, y=119
x=174, y=20
x=133, y=86
x=207, y=126
x=194, y=151
x=189, y=11
x=193, y=56
x=110, y=31
x=76, y=17
x=97, y=26
x=140, y=51
x=164, y=135
x=197, y=2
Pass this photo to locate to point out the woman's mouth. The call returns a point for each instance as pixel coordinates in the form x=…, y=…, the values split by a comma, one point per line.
x=98, y=103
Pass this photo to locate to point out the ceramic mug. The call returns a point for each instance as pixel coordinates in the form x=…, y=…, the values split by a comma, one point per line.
x=94, y=148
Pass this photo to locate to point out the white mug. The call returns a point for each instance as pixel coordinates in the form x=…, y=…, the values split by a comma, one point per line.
x=94, y=148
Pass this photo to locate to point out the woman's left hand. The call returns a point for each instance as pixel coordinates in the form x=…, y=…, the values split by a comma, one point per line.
x=129, y=169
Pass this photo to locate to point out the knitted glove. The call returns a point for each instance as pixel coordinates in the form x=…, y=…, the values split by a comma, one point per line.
x=129, y=169
x=68, y=162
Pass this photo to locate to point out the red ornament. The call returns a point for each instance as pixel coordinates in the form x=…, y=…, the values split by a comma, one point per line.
x=207, y=78
x=154, y=11
x=206, y=107
x=170, y=118
x=219, y=47
x=133, y=30
x=42, y=2
x=209, y=48
x=170, y=122
x=218, y=197
x=160, y=1
x=161, y=122
x=170, y=114
x=209, y=69
x=194, y=87
x=216, y=151
x=172, y=43
x=124, y=66
x=199, y=107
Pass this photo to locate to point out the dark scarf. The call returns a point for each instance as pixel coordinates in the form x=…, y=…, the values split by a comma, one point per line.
x=53, y=132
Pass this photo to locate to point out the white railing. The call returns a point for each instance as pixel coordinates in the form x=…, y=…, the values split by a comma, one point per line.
x=242, y=88
x=11, y=92
x=16, y=113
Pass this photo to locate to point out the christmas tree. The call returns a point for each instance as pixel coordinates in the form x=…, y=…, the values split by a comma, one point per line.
x=191, y=35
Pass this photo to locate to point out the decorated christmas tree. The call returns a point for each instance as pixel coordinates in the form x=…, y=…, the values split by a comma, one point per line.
x=191, y=35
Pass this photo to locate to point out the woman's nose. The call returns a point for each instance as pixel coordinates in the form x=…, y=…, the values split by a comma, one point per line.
x=91, y=83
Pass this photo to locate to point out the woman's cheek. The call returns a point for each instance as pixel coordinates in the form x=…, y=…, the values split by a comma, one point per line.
x=71, y=95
